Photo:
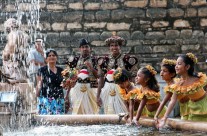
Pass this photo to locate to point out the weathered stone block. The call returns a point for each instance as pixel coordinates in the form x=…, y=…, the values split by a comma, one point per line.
x=92, y=6
x=57, y=17
x=203, y=22
x=98, y=43
x=95, y=25
x=25, y=7
x=65, y=37
x=46, y=16
x=176, y=12
x=186, y=34
x=156, y=13
x=10, y=8
x=75, y=16
x=74, y=25
x=158, y=3
x=162, y=49
x=105, y=35
x=202, y=12
x=117, y=14
x=79, y=35
x=198, y=34
x=58, y=26
x=137, y=35
x=133, y=43
x=89, y=16
x=46, y=26
x=56, y=7
x=172, y=34
x=190, y=41
x=143, y=49
x=184, y=2
x=103, y=15
x=134, y=13
x=136, y=4
x=199, y=3
x=76, y=6
x=52, y=39
x=124, y=34
x=190, y=48
x=181, y=23
x=109, y=5
x=94, y=36
x=155, y=35
x=118, y=26
x=160, y=24
x=191, y=12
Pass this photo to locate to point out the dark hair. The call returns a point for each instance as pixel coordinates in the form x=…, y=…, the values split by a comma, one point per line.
x=188, y=61
x=49, y=51
x=152, y=82
x=171, y=68
x=83, y=42
x=121, y=75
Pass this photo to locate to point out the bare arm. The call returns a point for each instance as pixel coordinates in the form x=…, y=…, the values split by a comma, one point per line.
x=164, y=101
x=39, y=84
x=141, y=107
x=131, y=109
x=100, y=86
x=169, y=109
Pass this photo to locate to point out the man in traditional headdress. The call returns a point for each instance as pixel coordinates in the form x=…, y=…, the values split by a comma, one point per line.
x=15, y=52
x=115, y=60
x=87, y=64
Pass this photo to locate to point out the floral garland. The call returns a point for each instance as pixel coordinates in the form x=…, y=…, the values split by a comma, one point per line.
x=192, y=57
x=168, y=62
x=151, y=69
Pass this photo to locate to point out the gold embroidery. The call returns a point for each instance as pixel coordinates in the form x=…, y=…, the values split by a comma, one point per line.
x=112, y=93
x=83, y=88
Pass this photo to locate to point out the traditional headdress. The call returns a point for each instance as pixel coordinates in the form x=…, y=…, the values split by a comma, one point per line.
x=192, y=57
x=151, y=69
x=170, y=62
x=115, y=39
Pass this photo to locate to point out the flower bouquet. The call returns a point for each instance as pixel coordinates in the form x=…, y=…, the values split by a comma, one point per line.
x=69, y=77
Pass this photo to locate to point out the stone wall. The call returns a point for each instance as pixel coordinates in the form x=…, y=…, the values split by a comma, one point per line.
x=154, y=29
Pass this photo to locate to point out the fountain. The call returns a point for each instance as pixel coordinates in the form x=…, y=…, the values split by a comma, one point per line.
x=17, y=97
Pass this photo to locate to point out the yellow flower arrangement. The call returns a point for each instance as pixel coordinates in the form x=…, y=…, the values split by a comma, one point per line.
x=192, y=57
x=168, y=62
x=117, y=73
x=151, y=69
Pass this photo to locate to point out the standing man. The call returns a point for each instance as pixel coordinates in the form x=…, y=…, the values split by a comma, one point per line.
x=113, y=61
x=83, y=94
x=36, y=59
